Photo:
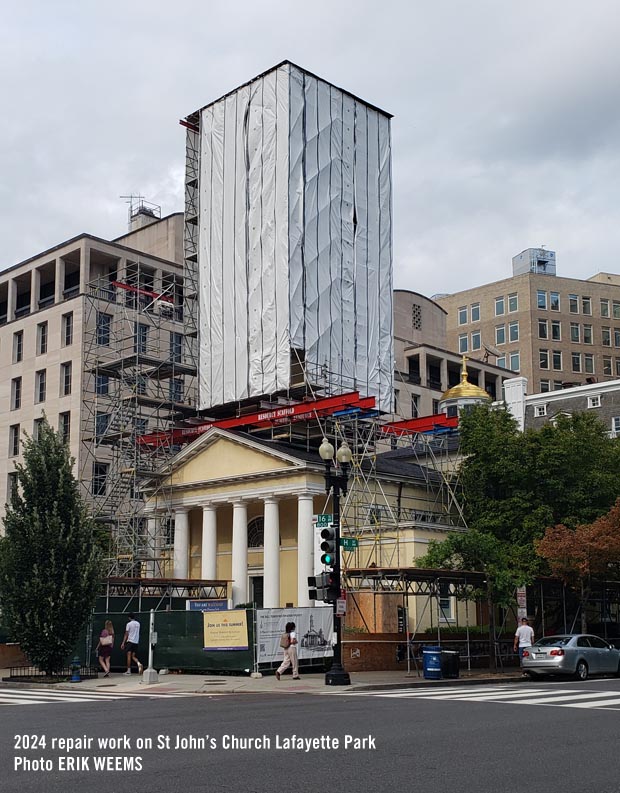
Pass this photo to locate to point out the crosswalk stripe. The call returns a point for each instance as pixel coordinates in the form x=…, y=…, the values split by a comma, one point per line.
x=599, y=704
x=409, y=692
x=455, y=692
x=578, y=696
x=88, y=693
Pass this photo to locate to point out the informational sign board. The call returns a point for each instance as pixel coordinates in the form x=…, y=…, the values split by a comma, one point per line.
x=225, y=630
x=313, y=626
x=206, y=605
x=521, y=602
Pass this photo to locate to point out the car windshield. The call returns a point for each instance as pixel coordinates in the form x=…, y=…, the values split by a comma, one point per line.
x=553, y=641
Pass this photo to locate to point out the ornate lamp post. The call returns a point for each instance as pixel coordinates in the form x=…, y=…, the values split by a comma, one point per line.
x=336, y=480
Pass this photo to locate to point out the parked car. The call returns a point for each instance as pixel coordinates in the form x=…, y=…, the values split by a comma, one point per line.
x=571, y=654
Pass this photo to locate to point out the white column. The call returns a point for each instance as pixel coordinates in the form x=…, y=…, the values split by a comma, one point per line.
x=240, y=553
x=305, y=547
x=209, y=543
x=271, y=555
x=60, y=279
x=12, y=300
x=151, y=548
x=181, y=543
x=35, y=286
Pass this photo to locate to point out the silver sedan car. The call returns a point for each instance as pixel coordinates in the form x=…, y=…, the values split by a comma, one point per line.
x=575, y=654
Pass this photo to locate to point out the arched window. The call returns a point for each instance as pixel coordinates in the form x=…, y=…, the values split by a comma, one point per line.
x=256, y=532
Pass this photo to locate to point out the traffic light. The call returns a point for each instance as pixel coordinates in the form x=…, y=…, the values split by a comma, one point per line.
x=328, y=546
x=324, y=587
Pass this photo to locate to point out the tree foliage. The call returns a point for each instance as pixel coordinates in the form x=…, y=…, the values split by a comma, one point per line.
x=49, y=559
x=515, y=485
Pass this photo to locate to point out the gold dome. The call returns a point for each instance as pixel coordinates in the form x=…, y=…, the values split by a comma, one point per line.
x=465, y=388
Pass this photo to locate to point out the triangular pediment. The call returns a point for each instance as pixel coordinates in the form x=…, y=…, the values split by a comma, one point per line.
x=222, y=456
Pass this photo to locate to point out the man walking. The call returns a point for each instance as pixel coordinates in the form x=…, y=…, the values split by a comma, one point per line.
x=524, y=637
x=130, y=643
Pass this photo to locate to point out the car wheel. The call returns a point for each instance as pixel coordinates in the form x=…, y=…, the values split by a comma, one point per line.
x=581, y=672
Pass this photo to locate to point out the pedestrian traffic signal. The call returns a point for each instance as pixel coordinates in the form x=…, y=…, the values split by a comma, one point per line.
x=328, y=546
x=324, y=587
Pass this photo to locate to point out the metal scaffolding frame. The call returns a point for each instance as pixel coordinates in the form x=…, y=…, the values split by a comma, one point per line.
x=139, y=376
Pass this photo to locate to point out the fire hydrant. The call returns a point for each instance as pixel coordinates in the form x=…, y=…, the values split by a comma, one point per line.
x=75, y=667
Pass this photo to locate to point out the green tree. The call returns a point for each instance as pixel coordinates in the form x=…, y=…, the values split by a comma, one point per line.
x=49, y=559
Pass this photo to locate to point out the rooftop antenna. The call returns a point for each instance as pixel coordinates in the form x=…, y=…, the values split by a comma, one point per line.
x=139, y=205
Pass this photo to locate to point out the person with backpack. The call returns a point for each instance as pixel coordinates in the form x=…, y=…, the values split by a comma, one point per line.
x=288, y=642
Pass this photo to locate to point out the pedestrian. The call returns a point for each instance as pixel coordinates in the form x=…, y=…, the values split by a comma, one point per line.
x=104, y=647
x=288, y=642
x=130, y=643
x=524, y=637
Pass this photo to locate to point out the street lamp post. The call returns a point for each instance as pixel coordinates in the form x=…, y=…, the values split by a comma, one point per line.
x=336, y=480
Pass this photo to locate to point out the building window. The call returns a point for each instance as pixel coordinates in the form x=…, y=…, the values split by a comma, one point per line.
x=141, y=338
x=176, y=347
x=102, y=423
x=576, y=361
x=513, y=302
x=543, y=359
x=607, y=365
x=475, y=340
x=615, y=424
x=617, y=367
x=104, y=325
x=16, y=393
x=616, y=309
x=604, y=307
x=594, y=401
x=41, y=338
x=396, y=396
x=606, y=337
x=557, y=360
x=541, y=299
x=445, y=603
x=554, y=301
x=176, y=390
x=11, y=487
x=102, y=384
x=14, y=440
x=100, y=478
x=415, y=406
x=573, y=304
x=556, y=330
x=36, y=428
x=545, y=386
x=501, y=361
x=588, y=363
x=18, y=346
x=558, y=385
x=499, y=306
x=513, y=331
x=40, y=379
x=463, y=343
x=543, y=329
x=435, y=407
x=475, y=312
x=587, y=334
x=500, y=334
x=65, y=378
x=515, y=361
x=586, y=306
x=67, y=329
x=256, y=532
x=463, y=315
x=616, y=337
x=64, y=425
x=540, y=410
x=574, y=332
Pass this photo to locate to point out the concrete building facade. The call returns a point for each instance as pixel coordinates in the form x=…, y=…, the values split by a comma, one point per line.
x=554, y=331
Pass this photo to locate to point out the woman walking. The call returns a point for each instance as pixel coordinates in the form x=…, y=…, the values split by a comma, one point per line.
x=104, y=648
x=288, y=642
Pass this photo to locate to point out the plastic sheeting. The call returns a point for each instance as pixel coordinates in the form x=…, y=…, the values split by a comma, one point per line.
x=295, y=239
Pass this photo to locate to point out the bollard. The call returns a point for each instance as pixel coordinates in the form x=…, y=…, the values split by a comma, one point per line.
x=75, y=667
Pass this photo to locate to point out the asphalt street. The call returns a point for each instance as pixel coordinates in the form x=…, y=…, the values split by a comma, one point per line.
x=480, y=739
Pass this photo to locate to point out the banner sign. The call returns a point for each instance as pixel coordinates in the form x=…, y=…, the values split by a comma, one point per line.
x=206, y=605
x=225, y=630
x=314, y=627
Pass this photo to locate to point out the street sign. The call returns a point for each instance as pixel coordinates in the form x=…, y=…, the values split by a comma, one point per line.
x=341, y=607
x=324, y=520
x=348, y=543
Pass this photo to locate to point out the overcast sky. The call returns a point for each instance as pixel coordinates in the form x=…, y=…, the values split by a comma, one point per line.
x=506, y=124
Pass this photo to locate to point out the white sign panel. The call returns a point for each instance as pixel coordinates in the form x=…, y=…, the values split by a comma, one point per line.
x=314, y=628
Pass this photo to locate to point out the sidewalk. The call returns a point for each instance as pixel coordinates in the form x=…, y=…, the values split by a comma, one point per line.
x=309, y=683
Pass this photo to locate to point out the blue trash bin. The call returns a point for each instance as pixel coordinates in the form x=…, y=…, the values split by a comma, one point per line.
x=432, y=663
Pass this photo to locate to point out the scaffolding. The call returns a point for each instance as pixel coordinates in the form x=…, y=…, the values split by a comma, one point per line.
x=139, y=377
